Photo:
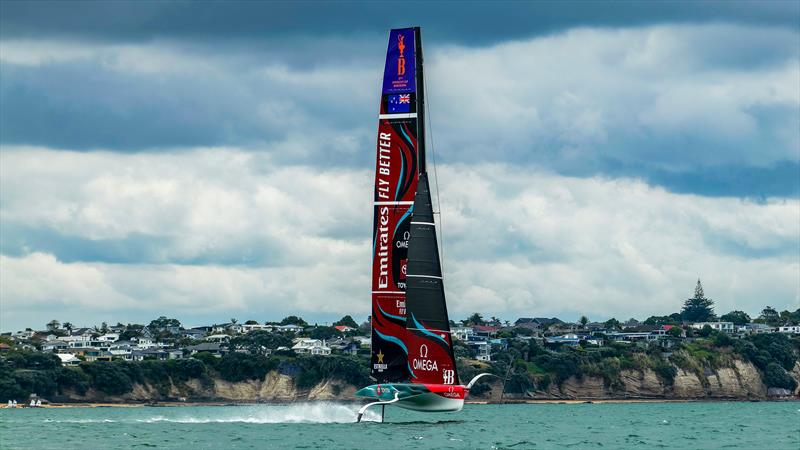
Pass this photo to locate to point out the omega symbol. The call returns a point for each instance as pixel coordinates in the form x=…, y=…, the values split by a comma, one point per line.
x=423, y=351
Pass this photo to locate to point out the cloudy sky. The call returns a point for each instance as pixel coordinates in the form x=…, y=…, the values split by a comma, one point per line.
x=214, y=160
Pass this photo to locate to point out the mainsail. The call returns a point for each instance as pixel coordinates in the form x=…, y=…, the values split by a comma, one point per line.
x=410, y=329
x=396, y=174
x=429, y=340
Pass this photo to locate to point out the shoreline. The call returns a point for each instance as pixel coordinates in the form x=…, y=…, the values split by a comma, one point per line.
x=172, y=404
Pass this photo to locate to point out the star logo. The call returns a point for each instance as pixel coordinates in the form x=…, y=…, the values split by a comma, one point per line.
x=380, y=357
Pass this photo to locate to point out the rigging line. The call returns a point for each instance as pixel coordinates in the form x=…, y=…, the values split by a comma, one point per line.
x=435, y=173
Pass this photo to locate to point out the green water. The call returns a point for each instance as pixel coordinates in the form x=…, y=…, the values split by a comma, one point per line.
x=329, y=425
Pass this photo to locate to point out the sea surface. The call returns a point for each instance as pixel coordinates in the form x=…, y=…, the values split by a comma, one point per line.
x=716, y=425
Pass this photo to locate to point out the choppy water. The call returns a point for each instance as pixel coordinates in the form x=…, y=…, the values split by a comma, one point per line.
x=330, y=425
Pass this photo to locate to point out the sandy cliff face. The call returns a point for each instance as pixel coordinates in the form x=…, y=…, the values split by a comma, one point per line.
x=741, y=380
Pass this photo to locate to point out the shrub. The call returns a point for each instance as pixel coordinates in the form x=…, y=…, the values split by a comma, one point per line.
x=665, y=372
x=108, y=377
x=776, y=376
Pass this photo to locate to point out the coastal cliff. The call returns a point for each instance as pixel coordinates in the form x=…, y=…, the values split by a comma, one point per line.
x=740, y=381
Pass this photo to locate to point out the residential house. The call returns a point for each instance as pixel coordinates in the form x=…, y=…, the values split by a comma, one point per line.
x=68, y=359
x=311, y=346
x=462, y=333
x=344, y=328
x=193, y=333
x=485, y=331
x=725, y=327
x=218, y=338
x=289, y=328
x=529, y=323
x=210, y=347
x=573, y=340
x=789, y=329
x=246, y=328
x=755, y=328
x=55, y=346
x=482, y=348
x=364, y=341
x=109, y=337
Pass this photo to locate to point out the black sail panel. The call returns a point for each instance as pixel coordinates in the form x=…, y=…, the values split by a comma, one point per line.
x=430, y=346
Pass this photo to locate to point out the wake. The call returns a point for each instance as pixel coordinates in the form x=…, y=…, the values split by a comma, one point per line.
x=317, y=412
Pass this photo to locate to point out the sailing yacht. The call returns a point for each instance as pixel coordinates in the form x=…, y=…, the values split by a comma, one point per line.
x=412, y=347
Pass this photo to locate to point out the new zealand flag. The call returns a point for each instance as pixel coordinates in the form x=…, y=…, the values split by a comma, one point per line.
x=400, y=103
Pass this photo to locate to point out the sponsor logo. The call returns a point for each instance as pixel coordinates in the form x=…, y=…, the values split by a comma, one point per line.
x=401, y=59
x=423, y=363
x=383, y=248
x=451, y=393
x=448, y=377
x=380, y=366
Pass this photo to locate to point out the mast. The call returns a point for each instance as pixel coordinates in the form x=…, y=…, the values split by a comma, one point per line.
x=420, y=100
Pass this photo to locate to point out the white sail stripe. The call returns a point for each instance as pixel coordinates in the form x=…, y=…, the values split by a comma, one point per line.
x=408, y=202
x=398, y=116
x=424, y=276
x=388, y=292
x=423, y=223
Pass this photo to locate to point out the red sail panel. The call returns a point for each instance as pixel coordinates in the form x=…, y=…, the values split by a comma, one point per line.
x=396, y=174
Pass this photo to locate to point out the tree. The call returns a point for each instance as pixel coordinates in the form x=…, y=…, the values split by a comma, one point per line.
x=68, y=326
x=251, y=322
x=163, y=323
x=584, y=320
x=612, y=324
x=770, y=316
x=675, y=331
x=294, y=320
x=346, y=321
x=233, y=320
x=53, y=325
x=698, y=308
x=737, y=317
x=476, y=319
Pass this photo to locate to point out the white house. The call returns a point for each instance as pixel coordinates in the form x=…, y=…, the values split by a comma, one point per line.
x=246, y=328
x=68, y=359
x=290, y=327
x=463, y=333
x=109, y=337
x=789, y=329
x=218, y=338
x=725, y=327
x=311, y=346
x=55, y=346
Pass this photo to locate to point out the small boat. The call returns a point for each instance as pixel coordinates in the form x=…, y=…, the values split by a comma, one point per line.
x=412, y=347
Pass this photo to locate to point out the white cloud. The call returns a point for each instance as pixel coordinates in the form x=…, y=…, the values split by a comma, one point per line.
x=264, y=240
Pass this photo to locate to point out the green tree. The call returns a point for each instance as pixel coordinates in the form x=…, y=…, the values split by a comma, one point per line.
x=698, y=308
x=612, y=324
x=346, y=321
x=53, y=325
x=251, y=322
x=476, y=319
x=163, y=323
x=675, y=331
x=68, y=326
x=737, y=317
x=583, y=320
x=294, y=320
x=770, y=316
